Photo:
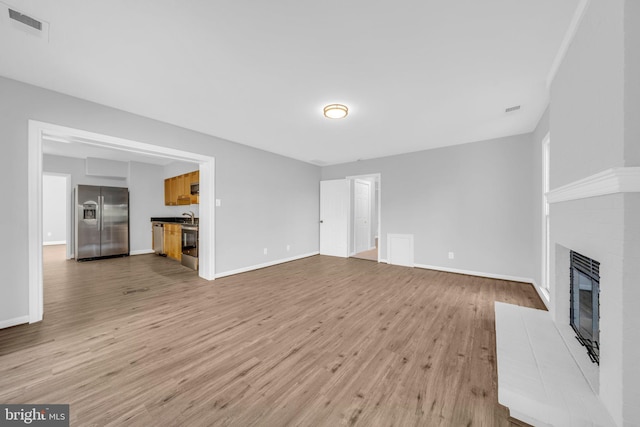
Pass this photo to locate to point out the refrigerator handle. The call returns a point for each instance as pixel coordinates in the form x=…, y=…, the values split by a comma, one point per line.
x=101, y=210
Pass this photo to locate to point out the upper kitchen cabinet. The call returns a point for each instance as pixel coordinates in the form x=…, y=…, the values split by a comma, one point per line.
x=171, y=191
x=178, y=189
x=194, y=187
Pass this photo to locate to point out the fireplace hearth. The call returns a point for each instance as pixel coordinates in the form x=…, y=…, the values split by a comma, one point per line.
x=585, y=303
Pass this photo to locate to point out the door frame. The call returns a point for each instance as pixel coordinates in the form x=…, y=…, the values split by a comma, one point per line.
x=377, y=178
x=34, y=180
x=545, y=279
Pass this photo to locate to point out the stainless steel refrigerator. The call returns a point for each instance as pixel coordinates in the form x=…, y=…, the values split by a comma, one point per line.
x=102, y=222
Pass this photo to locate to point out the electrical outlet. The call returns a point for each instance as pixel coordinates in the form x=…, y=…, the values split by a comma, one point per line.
x=218, y=202
x=451, y=255
x=265, y=251
x=288, y=248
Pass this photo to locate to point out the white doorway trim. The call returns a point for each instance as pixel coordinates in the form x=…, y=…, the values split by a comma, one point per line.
x=34, y=184
x=378, y=179
x=545, y=286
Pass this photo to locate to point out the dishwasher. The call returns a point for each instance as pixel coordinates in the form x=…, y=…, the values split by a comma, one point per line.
x=158, y=238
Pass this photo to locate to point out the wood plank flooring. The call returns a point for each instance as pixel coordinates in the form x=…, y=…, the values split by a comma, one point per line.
x=371, y=255
x=322, y=341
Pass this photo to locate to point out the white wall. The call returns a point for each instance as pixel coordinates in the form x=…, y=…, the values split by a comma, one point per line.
x=268, y=200
x=472, y=199
x=77, y=169
x=54, y=209
x=587, y=98
x=146, y=199
x=178, y=168
x=630, y=319
x=632, y=82
x=631, y=274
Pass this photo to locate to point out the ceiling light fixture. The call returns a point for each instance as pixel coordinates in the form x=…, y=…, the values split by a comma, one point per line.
x=336, y=111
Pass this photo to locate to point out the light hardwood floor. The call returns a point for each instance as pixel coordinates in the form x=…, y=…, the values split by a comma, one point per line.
x=371, y=255
x=318, y=342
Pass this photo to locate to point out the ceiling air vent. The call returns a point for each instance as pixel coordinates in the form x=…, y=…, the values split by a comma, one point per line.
x=23, y=22
x=26, y=20
x=511, y=109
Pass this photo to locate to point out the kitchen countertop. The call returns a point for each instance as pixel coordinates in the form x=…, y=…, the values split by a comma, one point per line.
x=175, y=220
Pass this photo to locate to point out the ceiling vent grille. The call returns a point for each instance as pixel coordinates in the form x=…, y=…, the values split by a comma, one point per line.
x=511, y=109
x=24, y=23
x=25, y=19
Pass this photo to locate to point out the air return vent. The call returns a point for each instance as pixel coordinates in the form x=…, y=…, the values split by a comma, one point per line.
x=511, y=109
x=23, y=22
x=26, y=20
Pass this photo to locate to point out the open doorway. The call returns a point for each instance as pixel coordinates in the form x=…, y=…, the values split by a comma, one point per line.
x=365, y=217
x=40, y=130
x=55, y=212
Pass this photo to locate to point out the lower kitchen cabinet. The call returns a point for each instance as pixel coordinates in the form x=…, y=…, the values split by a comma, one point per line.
x=172, y=241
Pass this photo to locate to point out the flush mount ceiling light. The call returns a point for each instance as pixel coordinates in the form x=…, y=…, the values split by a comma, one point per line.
x=336, y=111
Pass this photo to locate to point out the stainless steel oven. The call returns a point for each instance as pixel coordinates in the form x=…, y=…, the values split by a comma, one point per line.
x=190, y=246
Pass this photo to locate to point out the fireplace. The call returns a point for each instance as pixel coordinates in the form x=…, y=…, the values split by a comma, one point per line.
x=584, y=307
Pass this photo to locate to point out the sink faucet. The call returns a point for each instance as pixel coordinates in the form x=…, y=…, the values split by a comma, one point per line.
x=191, y=215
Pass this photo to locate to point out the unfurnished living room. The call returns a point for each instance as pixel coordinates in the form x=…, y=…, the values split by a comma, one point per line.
x=328, y=213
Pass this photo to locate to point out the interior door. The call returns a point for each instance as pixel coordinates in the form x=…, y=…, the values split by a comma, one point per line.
x=334, y=217
x=362, y=215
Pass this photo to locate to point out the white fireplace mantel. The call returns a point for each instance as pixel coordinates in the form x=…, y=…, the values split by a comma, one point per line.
x=610, y=181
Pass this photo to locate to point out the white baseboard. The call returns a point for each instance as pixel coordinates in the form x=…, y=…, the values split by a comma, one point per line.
x=13, y=322
x=142, y=252
x=55, y=242
x=477, y=273
x=383, y=260
x=542, y=293
x=266, y=264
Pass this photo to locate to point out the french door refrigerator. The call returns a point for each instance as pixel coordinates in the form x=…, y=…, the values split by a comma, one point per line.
x=102, y=222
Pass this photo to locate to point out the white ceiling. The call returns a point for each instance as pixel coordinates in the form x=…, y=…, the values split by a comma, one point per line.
x=416, y=74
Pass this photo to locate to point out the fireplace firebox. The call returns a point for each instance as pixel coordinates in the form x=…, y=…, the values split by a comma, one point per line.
x=585, y=303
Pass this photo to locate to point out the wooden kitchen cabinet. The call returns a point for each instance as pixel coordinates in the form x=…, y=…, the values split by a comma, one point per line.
x=177, y=189
x=173, y=241
x=183, y=190
x=194, y=179
x=168, y=196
